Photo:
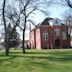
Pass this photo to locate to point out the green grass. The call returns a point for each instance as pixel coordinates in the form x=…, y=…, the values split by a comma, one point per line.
x=37, y=61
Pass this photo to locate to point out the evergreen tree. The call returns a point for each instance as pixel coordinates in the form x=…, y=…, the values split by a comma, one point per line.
x=14, y=38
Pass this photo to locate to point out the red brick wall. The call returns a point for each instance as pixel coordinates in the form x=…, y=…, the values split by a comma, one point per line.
x=32, y=39
x=38, y=39
x=62, y=42
x=54, y=36
x=45, y=43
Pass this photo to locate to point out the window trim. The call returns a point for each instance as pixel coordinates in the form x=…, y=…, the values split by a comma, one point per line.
x=45, y=35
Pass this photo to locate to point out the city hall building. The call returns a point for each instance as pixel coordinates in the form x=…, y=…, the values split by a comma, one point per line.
x=50, y=34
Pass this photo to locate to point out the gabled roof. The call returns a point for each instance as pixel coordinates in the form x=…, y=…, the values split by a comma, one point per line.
x=45, y=22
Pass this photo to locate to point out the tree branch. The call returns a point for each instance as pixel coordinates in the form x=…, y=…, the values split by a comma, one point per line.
x=69, y=3
x=31, y=22
x=20, y=27
x=31, y=12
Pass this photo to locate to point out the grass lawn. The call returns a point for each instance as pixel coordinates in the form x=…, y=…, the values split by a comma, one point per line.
x=37, y=61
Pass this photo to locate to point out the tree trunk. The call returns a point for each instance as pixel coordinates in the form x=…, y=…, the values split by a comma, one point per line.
x=7, y=51
x=23, y=41
x=24, y=34
x=6, y=44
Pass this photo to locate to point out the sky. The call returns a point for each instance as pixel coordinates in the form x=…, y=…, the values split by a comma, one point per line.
x=54, y=12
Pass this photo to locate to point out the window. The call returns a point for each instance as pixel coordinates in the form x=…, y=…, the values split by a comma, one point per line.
x=64, y=35
x=57, y=32
x=45, y=36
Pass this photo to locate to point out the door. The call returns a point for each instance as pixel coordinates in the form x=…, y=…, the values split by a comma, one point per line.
x=57, y=43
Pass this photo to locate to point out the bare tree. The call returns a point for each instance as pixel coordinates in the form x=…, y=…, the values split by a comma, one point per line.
x=68, y=3
x=12, y=16
x=30, y=8
x=5, y=29
x=20, y=15
x=68, y=14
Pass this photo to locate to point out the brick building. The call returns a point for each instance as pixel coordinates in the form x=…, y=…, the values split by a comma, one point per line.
x=51, y=33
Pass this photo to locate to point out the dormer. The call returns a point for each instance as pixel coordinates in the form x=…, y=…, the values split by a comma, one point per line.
x=55, y=21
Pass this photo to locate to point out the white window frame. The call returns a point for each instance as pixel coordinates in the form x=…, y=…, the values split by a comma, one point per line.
x=57, y=32
x=64, y=35
x=45, y=35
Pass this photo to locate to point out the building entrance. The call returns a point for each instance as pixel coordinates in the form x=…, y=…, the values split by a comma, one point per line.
x=57, y=43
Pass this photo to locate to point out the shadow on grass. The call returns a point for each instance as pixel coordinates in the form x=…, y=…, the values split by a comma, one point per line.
x=29, y=53
x=56, y=53
x=15, y=55
x=6, y=58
